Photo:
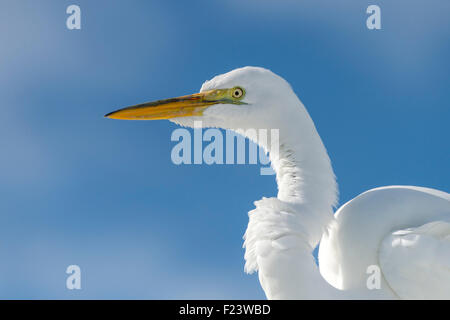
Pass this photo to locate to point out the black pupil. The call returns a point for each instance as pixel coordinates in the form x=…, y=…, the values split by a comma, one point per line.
x=236, y=93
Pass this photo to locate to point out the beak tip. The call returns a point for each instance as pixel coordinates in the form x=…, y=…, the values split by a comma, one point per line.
x=108, y=115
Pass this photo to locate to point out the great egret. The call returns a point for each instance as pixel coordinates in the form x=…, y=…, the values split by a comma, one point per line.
x=403, y=232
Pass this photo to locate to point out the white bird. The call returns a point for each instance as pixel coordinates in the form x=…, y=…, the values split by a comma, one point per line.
x=387, y=243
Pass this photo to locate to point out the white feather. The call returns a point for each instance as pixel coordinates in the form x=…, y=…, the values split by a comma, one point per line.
x=402, y=230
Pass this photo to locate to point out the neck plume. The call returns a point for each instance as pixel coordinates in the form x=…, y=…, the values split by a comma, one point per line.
x=283, y=231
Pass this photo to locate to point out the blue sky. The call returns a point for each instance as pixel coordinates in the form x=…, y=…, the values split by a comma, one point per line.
x=76, y=188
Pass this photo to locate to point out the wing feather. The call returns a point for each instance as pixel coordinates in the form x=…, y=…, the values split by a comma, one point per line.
x=416, y=261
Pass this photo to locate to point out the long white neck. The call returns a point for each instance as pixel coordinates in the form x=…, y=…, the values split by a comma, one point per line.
x=303, y=169
x=283, y=231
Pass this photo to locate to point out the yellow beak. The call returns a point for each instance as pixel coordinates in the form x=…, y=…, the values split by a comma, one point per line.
x=185, y=106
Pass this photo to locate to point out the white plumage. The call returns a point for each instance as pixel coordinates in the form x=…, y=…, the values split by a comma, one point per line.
x=401, y=230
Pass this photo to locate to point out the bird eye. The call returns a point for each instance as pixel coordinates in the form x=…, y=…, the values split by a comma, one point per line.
x=237, y=92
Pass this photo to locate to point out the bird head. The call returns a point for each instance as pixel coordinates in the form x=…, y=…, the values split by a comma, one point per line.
x=249, y=97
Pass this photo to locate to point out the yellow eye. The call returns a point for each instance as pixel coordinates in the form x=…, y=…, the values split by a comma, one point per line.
x=237, y=92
